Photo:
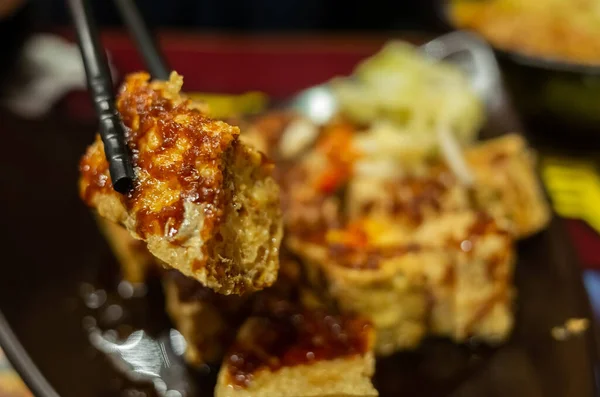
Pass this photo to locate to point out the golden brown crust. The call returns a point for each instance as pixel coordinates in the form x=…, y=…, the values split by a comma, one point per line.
x=203, y=202
x=415, y=250
x=208, y=321
x=309, y=348
x=177, y=153
x=508, y=185
x=341, y=377
x=294, y=338
x=451, y=276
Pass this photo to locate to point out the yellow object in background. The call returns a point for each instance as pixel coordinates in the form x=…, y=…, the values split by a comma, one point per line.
x=224, y=106
x=574, y=188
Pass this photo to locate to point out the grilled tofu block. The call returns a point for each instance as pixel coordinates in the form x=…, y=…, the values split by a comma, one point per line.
x=407, y=199
x=450, y=276
x=507, y=183
x=473, y=296
x=204, y=203
x=207, y=320
x=506, y=186
x=299, y=353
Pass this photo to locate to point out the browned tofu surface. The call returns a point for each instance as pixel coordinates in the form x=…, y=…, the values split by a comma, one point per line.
x=290, y=353
x=209, y=321
x=414, y=250
x=203, y=202
x=508, y=185
x=451, y=276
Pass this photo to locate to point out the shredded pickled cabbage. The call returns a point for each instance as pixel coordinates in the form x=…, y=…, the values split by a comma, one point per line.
x=405, y=99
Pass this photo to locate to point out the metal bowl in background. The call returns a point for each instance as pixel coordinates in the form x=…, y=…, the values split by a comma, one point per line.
x=559, y=101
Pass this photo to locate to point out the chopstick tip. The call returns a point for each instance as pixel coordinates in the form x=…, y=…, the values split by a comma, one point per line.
x=123, y=185
x=121, y=173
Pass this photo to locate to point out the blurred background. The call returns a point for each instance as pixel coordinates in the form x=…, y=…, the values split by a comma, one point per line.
x=20, y=17
x=554, y=82
x=259, y=15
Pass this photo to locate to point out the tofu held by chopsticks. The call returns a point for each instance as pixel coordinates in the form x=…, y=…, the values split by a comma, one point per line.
x=204, y=202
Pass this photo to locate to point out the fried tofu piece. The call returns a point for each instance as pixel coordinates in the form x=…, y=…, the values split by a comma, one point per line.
x=473, y=296
x=204, y=203
x=451, y=276
x=134, y=259
x=300, y=354
x=407, y=199
x=396, y=307
x=507, y=184
x=412, y=247
x=207, y=320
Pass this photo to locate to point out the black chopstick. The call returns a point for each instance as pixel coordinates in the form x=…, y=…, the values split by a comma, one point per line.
x=100, y=85
x=145, y=43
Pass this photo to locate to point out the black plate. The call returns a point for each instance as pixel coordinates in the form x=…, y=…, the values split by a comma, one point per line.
x=53, y=253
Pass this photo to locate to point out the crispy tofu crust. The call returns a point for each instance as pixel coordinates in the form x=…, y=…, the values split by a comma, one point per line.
x=204, y=203
x=299, y=353
x=209, y=321
x=452, y=276
x=414, y=250
x=508, y=185
x=342, y=377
